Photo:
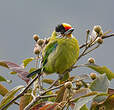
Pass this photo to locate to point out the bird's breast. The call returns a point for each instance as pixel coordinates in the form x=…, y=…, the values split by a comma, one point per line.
x=64, y=56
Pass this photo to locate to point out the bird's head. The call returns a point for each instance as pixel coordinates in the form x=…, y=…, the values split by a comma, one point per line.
x=64, y=29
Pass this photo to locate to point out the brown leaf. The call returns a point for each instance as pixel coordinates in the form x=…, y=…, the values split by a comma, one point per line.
x=25, y=100
x=16, y=68
x=45, y=106
x=110, y=91
x=3, y=90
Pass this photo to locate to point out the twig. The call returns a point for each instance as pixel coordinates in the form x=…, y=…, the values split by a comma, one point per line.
x=53, y=83
x=91, y=50
x=36, y=99
x=86, y=45
x=103, y=37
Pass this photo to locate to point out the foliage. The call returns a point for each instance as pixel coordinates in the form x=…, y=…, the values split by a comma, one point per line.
x=70, y=92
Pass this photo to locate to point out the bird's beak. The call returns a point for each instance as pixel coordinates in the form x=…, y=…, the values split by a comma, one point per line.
x=69, y=31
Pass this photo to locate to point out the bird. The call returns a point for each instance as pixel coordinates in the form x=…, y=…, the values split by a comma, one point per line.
x=60, y=53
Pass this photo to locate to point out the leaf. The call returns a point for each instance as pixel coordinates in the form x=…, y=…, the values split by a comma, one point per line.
x=25, y=100
x=10, y=95
x=110, y=91
x=108, y=104
x=100, y=97
x=3, y=90
x=3, y=79
x=49, y=107
x=84, y=108
x=21, y=73
x=101, y=70
x=80, y=102
x=45, y=106
x=80, y=92
x=27, y=61
x=16, y=68
x=38, y=106
x=101, y=84
x=49, y=81
x=2, y=63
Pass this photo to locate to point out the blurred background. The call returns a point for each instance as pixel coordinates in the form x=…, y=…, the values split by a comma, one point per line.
x=20, y=19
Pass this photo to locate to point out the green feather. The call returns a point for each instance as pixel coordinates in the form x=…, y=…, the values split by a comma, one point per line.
x=50, y=48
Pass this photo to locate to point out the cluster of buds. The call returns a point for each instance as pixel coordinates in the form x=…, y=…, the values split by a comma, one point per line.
x=79, y=84
x=68, y=85
x=40, y=44
x=97, y=32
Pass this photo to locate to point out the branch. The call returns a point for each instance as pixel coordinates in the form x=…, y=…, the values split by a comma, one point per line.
x=21, y=94
x=103, y=37
x=36, y=99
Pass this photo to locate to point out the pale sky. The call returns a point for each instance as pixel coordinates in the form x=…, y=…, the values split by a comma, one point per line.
x=20, y=19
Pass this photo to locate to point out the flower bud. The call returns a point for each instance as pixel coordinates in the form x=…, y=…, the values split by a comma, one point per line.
x=37, y=50
x=93, y=76
x=68, y=84
x=40, y=42
x=97, y=29
x=91, y=60
x=35, y=37
x=79, y=83
x=99, y=40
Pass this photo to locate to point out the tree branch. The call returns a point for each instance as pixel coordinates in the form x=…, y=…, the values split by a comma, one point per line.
x=19, y=95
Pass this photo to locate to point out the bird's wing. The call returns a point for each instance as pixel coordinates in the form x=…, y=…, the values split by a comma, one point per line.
x=48, y=50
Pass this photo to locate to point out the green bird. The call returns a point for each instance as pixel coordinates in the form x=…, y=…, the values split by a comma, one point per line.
x=60, y=53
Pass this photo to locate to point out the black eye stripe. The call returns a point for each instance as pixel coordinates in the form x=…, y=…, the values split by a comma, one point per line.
x=60, y=28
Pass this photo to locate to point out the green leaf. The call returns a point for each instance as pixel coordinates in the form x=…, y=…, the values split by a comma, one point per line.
x=80, y=92
x=84, y=108
x=101, y=84
x=108, y=104
x=100, y=97
x=32, y=69
x=101, y=70
x=2, y=63
x=10, y=95
x=3, y=79
x=3, y=90
x=80, y=102
x=48, y=81
x=27, y=61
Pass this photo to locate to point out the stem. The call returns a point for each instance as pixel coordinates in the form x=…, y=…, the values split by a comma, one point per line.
x=103, y=37
x=19, y=95
x=36, y=99
x=91, y=50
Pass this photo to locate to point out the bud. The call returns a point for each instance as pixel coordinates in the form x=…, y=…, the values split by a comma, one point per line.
x=91, y=60
x=79, y=84
x=37, y=50
x=68, y=85
x=99, y=40
x=35, y=37
x=97, y=28
x=40, y=42
x=93, y=76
